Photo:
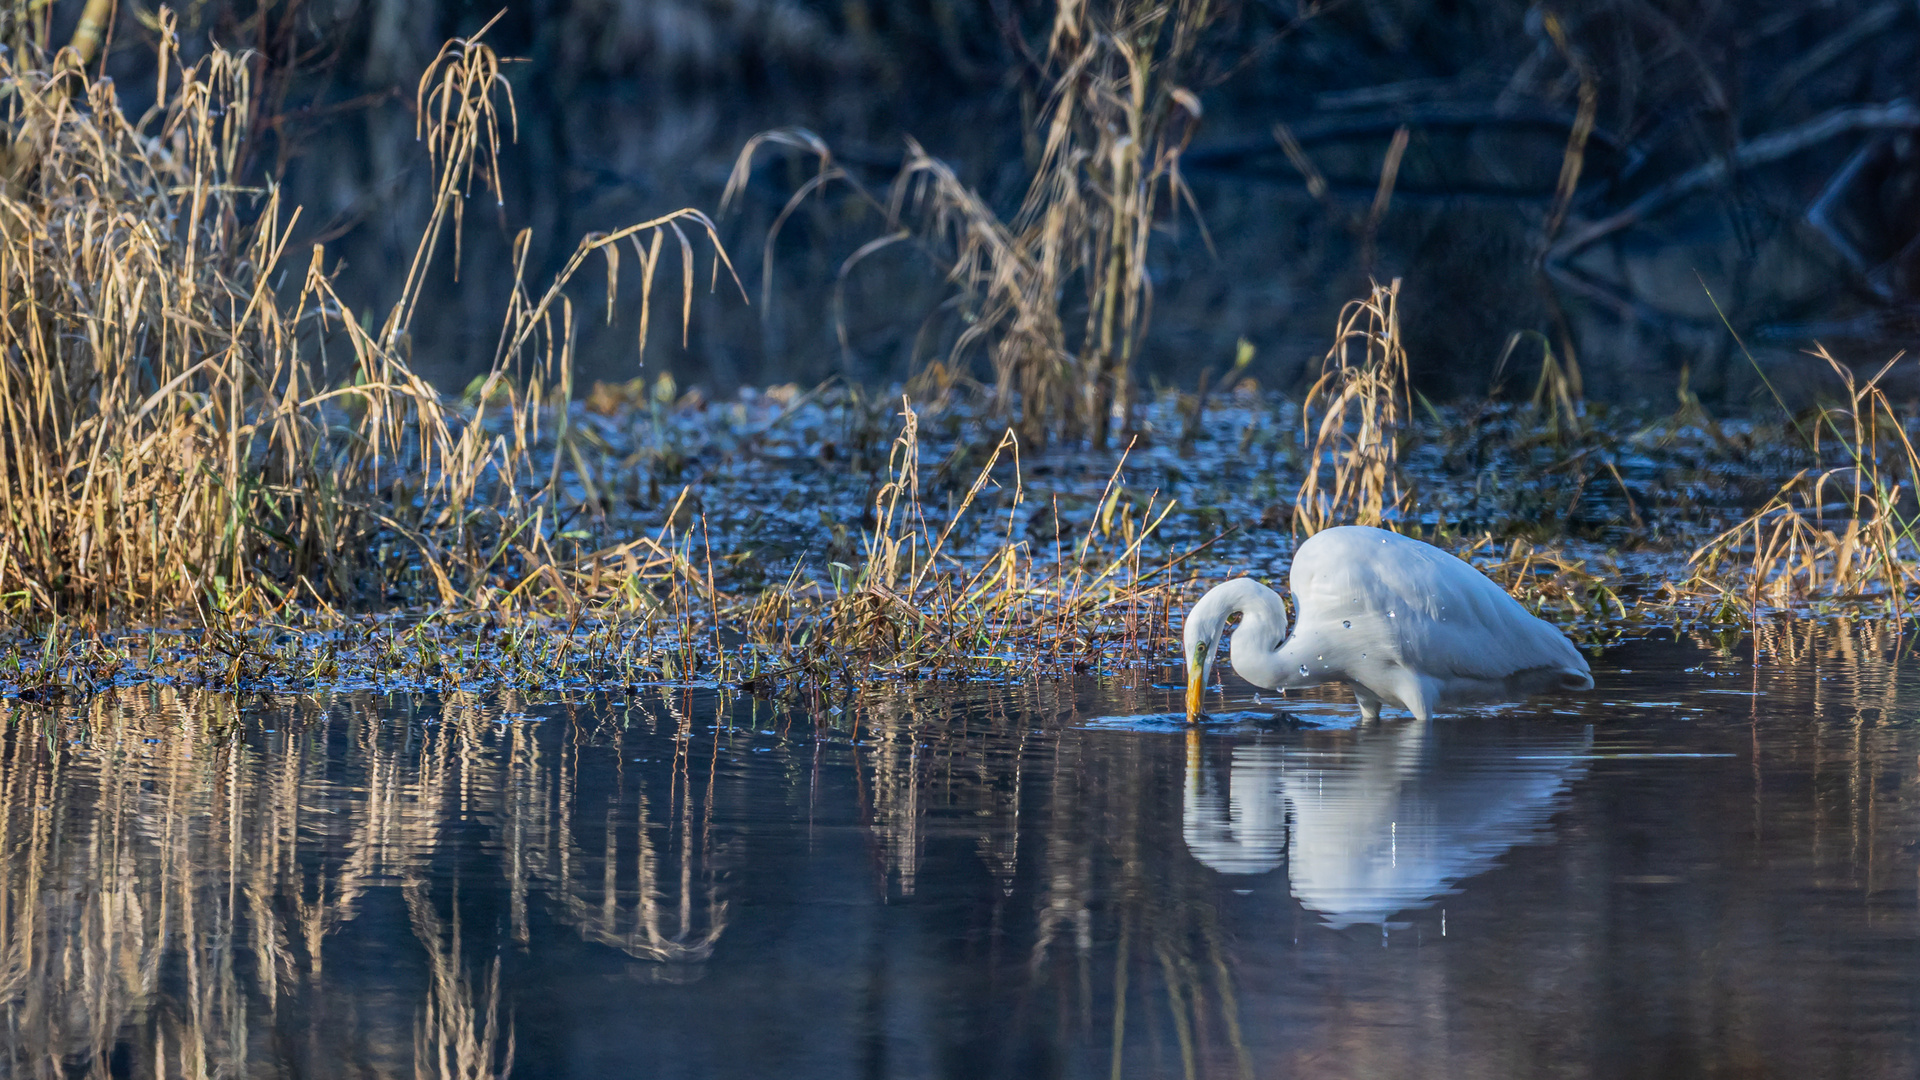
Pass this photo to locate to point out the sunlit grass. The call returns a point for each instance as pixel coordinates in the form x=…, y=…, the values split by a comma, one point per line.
x=1353, y=474
x=166, y=441
x=1058, y=294
x=196, y=431
x=1834, y=531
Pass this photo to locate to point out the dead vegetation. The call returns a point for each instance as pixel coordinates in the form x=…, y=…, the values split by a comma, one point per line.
x=194, y=426
x=1353, y=473
x=1840, y=531
x=165, y=437
x=1057, y=295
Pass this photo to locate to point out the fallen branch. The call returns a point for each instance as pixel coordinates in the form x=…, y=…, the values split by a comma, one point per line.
x=1896, y=115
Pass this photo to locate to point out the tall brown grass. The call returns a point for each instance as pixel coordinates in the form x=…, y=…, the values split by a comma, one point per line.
x=1353, y=474
x=1832, y=532
x=164, y=440
x=1058, y=295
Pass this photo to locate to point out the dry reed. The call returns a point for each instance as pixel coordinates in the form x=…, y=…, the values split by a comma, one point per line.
x=164, y=442
x=1832, y=532
x=1118, y=112
x=1353, y=474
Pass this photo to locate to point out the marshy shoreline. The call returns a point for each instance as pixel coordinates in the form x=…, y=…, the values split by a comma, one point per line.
x=783, y=543
x=191, y=498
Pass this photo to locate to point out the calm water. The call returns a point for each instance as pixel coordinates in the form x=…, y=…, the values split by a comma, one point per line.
x=1698, y=869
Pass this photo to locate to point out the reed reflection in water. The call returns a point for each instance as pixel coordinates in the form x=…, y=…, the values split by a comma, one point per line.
x=173, y=874
x=974, y=882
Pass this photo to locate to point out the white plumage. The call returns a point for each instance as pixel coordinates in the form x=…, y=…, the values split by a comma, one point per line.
x=1403, y=622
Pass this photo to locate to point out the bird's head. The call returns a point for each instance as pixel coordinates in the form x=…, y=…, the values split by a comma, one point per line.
x=1207, y=623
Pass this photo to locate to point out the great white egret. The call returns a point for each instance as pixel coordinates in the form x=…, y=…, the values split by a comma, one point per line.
x=1403, y=622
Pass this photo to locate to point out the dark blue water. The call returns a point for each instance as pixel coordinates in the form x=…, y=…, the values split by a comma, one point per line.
x=1701, y=868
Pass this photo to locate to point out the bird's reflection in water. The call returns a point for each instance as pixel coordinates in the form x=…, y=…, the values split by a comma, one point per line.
x=1385, y=819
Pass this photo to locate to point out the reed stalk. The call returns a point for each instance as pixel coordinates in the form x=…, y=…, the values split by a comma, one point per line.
x=1119, y=109
x=166, y=441
x=1353, y=474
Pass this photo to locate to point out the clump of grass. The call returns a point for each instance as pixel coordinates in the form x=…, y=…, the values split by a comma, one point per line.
x=1353, y=473
x=1551, y=583
x=913, y=608
x=165, y=443
x=1557, y=394
x=1833, y=531
x=1118, y=112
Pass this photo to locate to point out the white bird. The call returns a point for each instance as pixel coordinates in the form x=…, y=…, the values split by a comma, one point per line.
x=1403, y=622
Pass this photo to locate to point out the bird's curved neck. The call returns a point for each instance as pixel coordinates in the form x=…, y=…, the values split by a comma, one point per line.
x=1258, y=653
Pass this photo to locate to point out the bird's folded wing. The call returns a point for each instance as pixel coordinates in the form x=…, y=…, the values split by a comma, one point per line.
x=1448, y=619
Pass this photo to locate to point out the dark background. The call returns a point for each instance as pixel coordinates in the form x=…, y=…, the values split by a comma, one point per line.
x=631, y=108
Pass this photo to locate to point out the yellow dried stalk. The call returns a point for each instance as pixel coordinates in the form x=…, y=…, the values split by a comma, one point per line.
x=1353, y=474
x=163, y=442
x=1116, y=118
x=1550, y=583
x=1556, y=394
x=1788, y=552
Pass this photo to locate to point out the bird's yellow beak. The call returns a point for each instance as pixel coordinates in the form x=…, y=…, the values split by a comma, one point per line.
x=1196, y=678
